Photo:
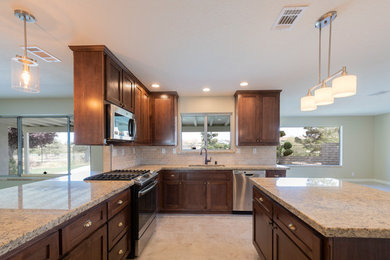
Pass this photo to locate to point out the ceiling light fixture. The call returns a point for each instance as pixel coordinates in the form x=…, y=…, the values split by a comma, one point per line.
x=343, y=85
x=155, y=85
x=206, y=90
x=244, y=84
x=24, y=70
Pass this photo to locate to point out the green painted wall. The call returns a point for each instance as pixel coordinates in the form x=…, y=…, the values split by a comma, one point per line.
x=382, y=147
x=33, y=106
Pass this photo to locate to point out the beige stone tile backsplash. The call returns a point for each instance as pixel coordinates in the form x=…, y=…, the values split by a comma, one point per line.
x=127, y=156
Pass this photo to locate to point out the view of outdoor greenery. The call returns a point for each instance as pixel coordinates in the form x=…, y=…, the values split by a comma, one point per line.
x=217, y=141
x=310, y=145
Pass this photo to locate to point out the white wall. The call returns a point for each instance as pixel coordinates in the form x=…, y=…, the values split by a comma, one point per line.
x=382, y=147
x=32, y=106
x=357, y=147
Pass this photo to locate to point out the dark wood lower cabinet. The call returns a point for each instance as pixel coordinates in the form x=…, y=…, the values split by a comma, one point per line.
x=94, y=247
x=285, y=248
x=196, y=191
x=262, y=232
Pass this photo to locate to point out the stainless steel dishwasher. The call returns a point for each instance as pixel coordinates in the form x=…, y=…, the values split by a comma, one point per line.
x=242, y=190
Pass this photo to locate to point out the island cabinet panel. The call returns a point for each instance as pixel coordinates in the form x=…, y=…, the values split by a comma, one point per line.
x=46, y=248
x=278, y=234
x=196, y=191
x=164, y=118
x=99, y=79
x=262, y=232
x=94, y=247
x=257, y=117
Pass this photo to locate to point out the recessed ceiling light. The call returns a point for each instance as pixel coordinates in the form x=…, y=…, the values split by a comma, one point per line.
x=206, y=90
x=244, y=83
x=155, y=85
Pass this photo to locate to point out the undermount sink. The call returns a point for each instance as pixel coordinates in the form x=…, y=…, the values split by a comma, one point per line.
x=206, y=165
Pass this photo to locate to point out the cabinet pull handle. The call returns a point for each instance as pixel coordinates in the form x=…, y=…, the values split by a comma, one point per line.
x=276, y=175
x=120, y=202
x=261, y=199
x=120, y=252
x=88, y=223
x=120, y=224
x=291, y=227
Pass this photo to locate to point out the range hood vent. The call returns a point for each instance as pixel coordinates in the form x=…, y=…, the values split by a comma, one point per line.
x=43, y=55
x=288, y=17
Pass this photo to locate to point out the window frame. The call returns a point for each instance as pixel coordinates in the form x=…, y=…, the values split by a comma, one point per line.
x=317, y=165
x=205, y=115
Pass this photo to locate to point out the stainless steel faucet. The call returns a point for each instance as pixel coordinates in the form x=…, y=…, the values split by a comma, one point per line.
x=206, y=161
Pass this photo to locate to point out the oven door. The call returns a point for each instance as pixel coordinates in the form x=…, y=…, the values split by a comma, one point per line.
x=147, y=207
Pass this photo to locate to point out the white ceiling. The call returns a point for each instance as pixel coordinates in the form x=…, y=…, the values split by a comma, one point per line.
x=186, y=45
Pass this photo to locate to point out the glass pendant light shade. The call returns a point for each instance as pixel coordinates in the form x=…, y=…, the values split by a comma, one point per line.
x=323, y=96
x=344, y=86
x=25, y=74
x=308, y=103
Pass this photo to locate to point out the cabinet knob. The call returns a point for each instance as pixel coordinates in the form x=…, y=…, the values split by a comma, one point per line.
x=172, y=175
x=120, y=252
x=291, y=227
x=261, y=199
x=88, y=223
x=120, y=224
x=120, y=202
x=276, y=175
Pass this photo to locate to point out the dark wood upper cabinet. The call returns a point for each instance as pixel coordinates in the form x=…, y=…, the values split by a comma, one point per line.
x=99, y=79
x=163, y=106
x=142, y=115
x=257, y=117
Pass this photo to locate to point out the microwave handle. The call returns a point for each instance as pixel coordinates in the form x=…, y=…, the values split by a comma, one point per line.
x=133, y=125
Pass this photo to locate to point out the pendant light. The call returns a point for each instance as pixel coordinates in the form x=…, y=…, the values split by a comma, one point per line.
x=24, y=70
x=343, y=85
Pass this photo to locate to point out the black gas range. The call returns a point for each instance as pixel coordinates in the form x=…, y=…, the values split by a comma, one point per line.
x=143, y=203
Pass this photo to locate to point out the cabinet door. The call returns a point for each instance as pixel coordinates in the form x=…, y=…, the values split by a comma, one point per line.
x=47, y=248
x=164, y=119
x=248, y=119
x=194, y=195
x=94, y=247
x=138, y=114
x=128, y=92
x=219, y=196
x=285, y=248
x=145, y=118
x=113, y=82
x=171, y=193
x=262, y=232
x=270, y=119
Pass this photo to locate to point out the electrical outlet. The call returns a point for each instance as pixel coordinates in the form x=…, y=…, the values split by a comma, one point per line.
x=238, y=150
x=114, y=152
x=254, y=150
x=174, y=150
x=123, y=152
x=133, y=150
x=163, y=150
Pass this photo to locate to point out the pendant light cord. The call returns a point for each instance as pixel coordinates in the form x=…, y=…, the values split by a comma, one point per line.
x=25, y=37
x=330, y=45
x=319, y=57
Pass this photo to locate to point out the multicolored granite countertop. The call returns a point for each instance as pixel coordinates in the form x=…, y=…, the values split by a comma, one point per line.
x=211, y=167
x=29, y=210
x=333, y=207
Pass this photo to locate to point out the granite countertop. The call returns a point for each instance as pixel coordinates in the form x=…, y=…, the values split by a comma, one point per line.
x=333, y=207
x=29, y=210
x=211, y=167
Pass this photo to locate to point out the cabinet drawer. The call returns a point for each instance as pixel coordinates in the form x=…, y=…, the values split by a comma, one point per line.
x=219, y=175
x=120, y=250
x=275, y=173
x=46, y=248
x=263, y=201
x=117, y=226
x=118, y=202
x=83, y=226
x=195, y=175
x=299, y=232
x=171, y=175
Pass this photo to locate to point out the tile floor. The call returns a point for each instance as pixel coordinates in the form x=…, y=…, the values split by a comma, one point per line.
x=201, y=237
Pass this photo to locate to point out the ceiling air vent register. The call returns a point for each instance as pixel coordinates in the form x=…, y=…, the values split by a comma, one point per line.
x=288, y=17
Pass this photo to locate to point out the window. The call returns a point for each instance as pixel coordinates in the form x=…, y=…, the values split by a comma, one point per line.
x=41, y=145
x=205, y=130
x=310, y=146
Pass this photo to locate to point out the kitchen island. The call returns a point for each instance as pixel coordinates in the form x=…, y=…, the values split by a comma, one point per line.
x=320, y=219
x=36, y=211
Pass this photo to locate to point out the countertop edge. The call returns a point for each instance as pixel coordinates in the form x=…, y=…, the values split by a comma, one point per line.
x=27, y=237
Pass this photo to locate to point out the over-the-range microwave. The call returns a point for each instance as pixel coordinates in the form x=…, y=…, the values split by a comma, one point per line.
x=121, y=124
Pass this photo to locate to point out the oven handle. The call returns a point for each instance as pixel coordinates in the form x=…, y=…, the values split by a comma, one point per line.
x=143, y=192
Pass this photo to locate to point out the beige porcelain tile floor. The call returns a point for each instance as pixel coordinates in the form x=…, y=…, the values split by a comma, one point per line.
x=193, y=237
